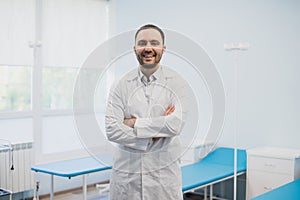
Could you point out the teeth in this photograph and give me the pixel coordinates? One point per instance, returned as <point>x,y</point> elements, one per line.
<point>147,54</point>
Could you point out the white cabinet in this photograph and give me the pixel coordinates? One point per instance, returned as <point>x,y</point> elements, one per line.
<point>269,168</point>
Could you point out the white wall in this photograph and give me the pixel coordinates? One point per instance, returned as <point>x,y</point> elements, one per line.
<point>268,94</point>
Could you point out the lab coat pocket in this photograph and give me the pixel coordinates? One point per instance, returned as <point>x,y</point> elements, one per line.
<point>164,181</point>
<point>118,185</point>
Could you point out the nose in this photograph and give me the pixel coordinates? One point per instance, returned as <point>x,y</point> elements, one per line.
<point>148,49</point>
<point>148,46</point>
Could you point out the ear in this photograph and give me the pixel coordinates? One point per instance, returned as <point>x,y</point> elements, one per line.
<point>164,48</point>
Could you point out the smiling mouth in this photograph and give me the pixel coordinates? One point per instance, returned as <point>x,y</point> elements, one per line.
<point>148,57</point>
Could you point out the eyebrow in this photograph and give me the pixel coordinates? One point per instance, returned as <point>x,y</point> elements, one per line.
<point>151,41</point>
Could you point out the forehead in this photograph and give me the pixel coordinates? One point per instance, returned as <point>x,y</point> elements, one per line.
<point>149,34</point>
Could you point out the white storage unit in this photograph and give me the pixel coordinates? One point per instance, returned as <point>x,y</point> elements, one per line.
<point>269,168</point>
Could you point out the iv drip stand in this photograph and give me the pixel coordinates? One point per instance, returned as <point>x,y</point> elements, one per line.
<point>235,48</point>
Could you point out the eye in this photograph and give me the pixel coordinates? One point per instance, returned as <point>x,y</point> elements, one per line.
<point>154,42</point>
<point>142,43</point>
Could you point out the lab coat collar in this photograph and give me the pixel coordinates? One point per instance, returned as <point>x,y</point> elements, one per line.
<point>152,78</point>
<point>160,75</point>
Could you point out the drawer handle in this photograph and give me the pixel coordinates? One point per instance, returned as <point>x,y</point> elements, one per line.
<point>268,188</point>
<point>270,165</point>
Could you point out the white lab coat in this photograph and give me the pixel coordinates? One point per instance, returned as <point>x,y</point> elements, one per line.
<point>147,169</point>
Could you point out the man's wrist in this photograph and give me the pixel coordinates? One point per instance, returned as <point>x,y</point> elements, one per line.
<point>133,121</point>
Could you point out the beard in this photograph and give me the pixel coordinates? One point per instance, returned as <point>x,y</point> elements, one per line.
<point>149,66</point>
<point>157,58</point>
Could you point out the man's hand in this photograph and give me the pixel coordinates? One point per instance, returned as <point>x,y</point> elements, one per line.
<point>130,122</point>
<point>169,110</point>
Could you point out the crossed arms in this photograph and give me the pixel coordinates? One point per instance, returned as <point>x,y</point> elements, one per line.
<point>137,133</point>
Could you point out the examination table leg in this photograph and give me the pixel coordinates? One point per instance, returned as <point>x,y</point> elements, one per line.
<point>52,188</point>
<point>84,187</point>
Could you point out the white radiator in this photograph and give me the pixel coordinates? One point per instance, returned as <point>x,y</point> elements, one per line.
<point>15,163</point>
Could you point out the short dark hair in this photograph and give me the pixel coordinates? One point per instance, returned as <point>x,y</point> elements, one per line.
<point>151,26</point>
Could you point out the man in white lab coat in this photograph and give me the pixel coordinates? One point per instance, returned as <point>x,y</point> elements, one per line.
<point>146,112</point>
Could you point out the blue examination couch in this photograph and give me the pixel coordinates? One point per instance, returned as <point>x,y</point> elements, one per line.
<point>216,167</point>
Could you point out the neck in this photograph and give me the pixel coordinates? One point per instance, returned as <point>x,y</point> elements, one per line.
<point>148,72</point>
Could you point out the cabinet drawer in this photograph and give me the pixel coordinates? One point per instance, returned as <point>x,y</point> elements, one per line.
<point>270,164</point>
<point>259,182</point>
